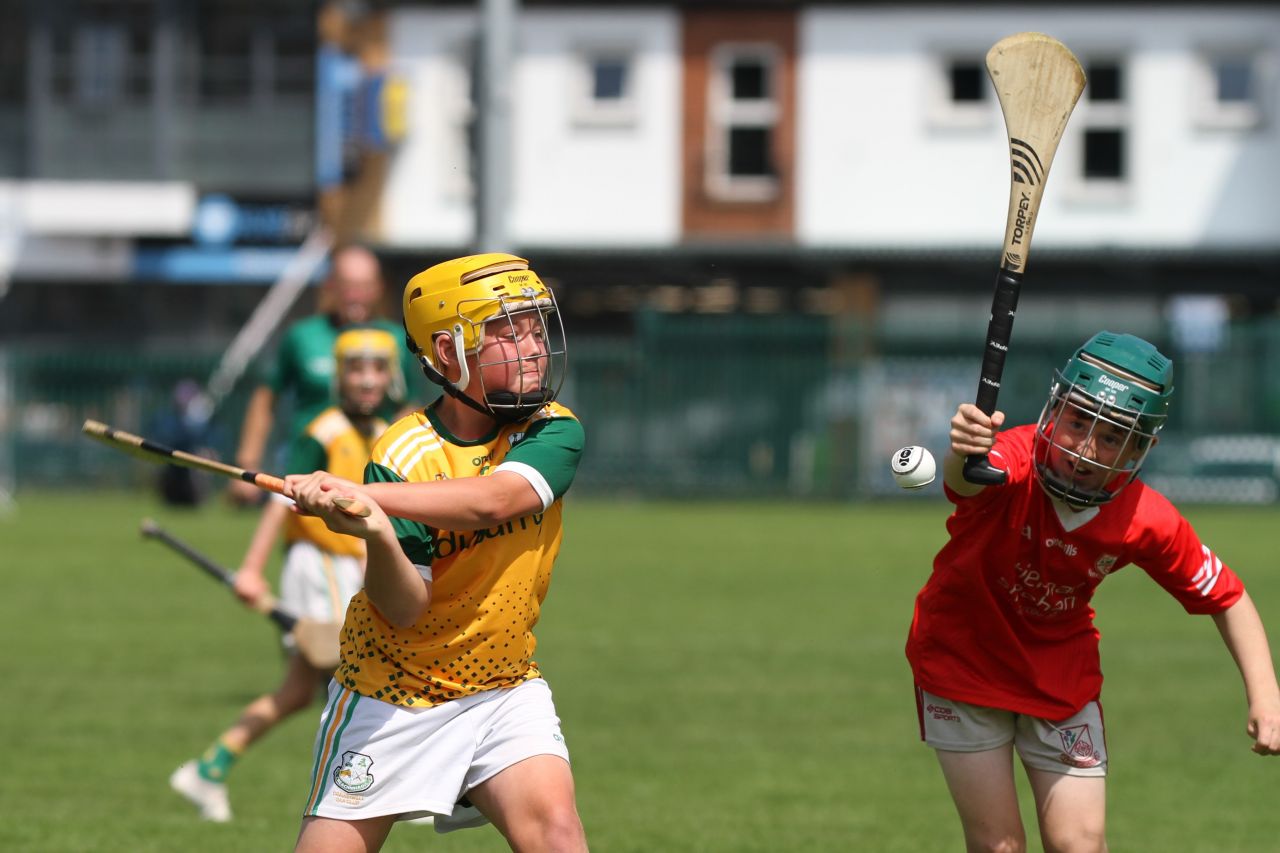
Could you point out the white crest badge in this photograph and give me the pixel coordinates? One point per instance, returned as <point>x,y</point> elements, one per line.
<point>354,776</point>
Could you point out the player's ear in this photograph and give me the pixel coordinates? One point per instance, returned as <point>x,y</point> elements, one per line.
<point>446,356</point>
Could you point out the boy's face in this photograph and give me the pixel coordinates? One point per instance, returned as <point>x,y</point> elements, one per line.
<point>1087,450</point>
<point>363,383</point>
<point>513,354</point>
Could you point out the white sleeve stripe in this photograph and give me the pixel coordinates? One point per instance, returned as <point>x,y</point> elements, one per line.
<point>535,478</point>
<point>1210,571</point>
<point>425,571</point>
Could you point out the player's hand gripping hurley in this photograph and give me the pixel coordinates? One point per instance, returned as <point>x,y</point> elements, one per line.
<point>1038,82</point>
<point>155,452</point>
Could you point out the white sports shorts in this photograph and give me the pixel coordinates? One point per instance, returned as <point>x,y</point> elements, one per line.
<point>317,585</point>
<point>1076,746</point>
<point>373,758</point>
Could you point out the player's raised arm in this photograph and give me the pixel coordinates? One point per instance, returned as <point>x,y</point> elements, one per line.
<point>1246,639</point>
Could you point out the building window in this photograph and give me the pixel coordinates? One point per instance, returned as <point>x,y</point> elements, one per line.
<point>968,82</point>
<point>1229,91</point>
<point>961,93</point>
<point>605,87</point>
<point>100,63</point>
<point>1105,126</point>
<point>245,54</point>
<point>1103,154</point>
<point>743,116</point>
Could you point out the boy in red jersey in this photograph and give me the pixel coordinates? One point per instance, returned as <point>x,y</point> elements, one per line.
<point>1002,644</point>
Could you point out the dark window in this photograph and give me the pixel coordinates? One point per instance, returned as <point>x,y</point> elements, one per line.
<point>1235,80</point>
<point>249,51</point>
<point>1104,82</point>
<point>968,83</point>
<point>749,79</point>
<point>13,57</point>
<point>608,79</point>
<point>749,154</point>
<point>1104,154</point>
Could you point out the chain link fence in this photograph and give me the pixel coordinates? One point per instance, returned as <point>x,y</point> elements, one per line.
<point>727,406</point>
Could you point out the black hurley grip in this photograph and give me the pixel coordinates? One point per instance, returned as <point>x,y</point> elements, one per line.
<point>1004,307</point>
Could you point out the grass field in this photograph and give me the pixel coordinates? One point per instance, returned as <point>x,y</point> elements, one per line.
<point>730,678</point>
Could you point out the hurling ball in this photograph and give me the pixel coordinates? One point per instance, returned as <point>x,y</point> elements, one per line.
<point>913,467</point>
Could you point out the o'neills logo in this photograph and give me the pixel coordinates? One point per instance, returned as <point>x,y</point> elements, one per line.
<point>1118,387</point>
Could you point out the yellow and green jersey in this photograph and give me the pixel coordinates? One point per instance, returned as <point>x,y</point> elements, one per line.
<point>330,443</point>
<point>487,585</point>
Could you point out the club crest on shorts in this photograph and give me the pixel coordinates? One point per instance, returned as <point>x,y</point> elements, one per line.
<point>354,776</point>
<point>1077,747</point>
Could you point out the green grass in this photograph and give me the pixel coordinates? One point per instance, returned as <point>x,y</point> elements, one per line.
<point>730,678</point>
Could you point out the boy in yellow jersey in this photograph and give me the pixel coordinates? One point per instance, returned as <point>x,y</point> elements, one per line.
<point>437,707</point>
<point>322,569</point>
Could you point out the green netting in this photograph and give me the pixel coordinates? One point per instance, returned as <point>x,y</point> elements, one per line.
<point>705,405</point>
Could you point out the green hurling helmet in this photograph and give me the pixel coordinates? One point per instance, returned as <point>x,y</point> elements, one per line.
<point>1104,410</point>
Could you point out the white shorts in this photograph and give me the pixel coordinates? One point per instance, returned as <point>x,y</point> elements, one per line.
<point>373,758</point>
<point>1076,746</point>
<point>317,585</point>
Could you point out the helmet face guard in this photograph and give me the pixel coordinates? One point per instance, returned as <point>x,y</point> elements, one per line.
<point>1104,411</point>
<point>495,308</point>
<point>1071,429</point>
<point>530,342</point>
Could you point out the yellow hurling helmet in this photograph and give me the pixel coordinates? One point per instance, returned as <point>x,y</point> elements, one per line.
<point>372,344</point>
<point>457,298</point>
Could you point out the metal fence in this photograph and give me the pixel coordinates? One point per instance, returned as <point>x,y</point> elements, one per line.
<point>710,406</point>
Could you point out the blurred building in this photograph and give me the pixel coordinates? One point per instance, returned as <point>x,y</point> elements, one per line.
<point>764,156</point>
<point>147,143</point>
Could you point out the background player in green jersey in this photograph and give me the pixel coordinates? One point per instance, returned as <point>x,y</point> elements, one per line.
<point>352,295</point>
<point>322,569</point>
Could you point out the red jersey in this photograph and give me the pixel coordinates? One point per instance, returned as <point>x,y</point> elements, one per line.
<point>1005,621</point>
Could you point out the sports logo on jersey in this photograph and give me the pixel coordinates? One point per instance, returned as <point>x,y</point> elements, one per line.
<point>1077,747</point>
<point>515,438</point>
<point>354,776</point>
<point>1103,566</point>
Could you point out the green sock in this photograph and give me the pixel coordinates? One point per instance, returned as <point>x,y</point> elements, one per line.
<point>216,762</point>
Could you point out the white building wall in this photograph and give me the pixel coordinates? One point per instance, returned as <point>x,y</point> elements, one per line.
<point>880,162</point>
<point>877,169</point>
<point>576,180</point>
<point>427,200</point>
<point>585,181</point>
